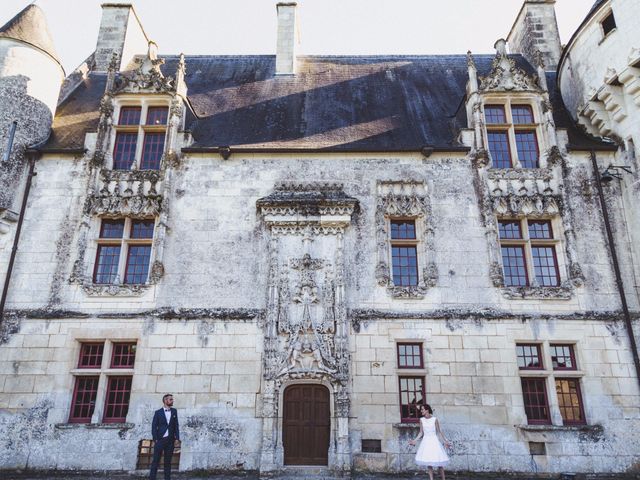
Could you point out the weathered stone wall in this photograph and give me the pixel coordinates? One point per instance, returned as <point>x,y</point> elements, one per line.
<point>212,367</point>
<point>29,85</point>
<point>472,382</point>
<point>199,335</point>
<point>223,264</point>
<point>536,30</point>
<point>120,33</point>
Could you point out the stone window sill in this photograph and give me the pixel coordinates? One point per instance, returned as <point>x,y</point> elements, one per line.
<point>416,293</point>
<point>561,428</point>
<point>95,290</point>
<point>101,426</point>
<point>537,293</point>
<point>519,173</point>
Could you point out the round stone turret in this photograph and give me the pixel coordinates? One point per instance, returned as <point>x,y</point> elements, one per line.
<point>599,72</point>
<point>30,80</point>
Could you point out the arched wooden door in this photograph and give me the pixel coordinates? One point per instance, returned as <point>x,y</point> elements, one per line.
<point>306,425</point>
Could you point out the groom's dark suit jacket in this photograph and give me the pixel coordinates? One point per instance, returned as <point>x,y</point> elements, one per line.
<point>159,425</point>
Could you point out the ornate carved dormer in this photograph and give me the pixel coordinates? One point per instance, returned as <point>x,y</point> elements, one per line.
<point>146,78</point>
<point>306,332</point>
<point>505,76</point>
<point>136,186</point>
<point>510,87</point>
<point>511,111</point>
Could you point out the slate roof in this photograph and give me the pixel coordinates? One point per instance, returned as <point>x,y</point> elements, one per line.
<point>595,6</point>
<point>30,26</point>
<point>342,104</point>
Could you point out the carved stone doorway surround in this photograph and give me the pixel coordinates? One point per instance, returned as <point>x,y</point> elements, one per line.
<point>305,326</point>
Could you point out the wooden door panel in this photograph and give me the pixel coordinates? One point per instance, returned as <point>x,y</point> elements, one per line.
<point>306,425</point>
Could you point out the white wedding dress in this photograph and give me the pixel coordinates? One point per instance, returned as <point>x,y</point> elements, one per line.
<point>430,452</point>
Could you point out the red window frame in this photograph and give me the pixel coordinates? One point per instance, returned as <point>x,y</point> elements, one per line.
<point>142,229</point>
<point>411,407</point>
<point>492,119</point>
<point>510,229</point>
<point>500,162</point>
<point>526,348</point>
<point>572,356</point>
<point>403,229</point>
<point>99,277</point>
<point>157,115</point>
<point>524,153</point>
<point>547,275</point>
<point>507,252</point>
<point>85,393</point>
<point>404,252</point>
<point>123,355</point>
<point>136,271</point>
<point>116,405</point>
<point>152,150</point>
<point>111,229</point>
<point>536,400</point>
<point>124,150</point>
<point>412,355</point>
<point>94,351</point>
<point>516,116</point>
<point>536,234</point>
<point>404,262</point>
<point>130,116</point>
<point>573,398</point>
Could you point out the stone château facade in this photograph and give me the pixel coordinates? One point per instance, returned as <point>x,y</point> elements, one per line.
<point>303,248</point>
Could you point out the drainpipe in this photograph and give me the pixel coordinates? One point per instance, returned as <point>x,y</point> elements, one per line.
<point>12,134</point>
<point>16,239</point>
<point>616,268</point>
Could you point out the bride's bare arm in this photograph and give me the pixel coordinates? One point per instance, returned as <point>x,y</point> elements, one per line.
<point>439,431</point>
<point>413,442</point>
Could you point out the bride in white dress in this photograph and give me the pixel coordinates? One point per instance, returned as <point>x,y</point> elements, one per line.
<point>430,452</point>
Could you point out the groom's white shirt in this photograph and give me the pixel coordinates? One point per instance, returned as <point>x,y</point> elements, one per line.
<point>167,415</point>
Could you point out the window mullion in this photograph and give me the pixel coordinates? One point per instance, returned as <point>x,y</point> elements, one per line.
<point>98,409</point>
<point>139,146</point>
<point>515,160</point>
<point>124,250</point>
<point>531,271</point>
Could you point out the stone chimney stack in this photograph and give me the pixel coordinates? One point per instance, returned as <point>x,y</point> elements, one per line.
<point>120,32</point>
<point>536,29</point>
<point>287,38</point>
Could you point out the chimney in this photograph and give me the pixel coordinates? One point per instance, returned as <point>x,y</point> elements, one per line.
<point>536,29</point>
<point>287,38</point>
<point>120,32</point>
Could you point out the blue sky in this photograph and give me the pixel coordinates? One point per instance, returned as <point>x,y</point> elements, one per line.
<point>339,27</point>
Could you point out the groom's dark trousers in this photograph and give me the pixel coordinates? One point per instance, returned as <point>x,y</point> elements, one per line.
<point>164,445</point>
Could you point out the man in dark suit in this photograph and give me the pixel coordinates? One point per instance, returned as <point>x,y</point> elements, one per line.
<point>166,434</point>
